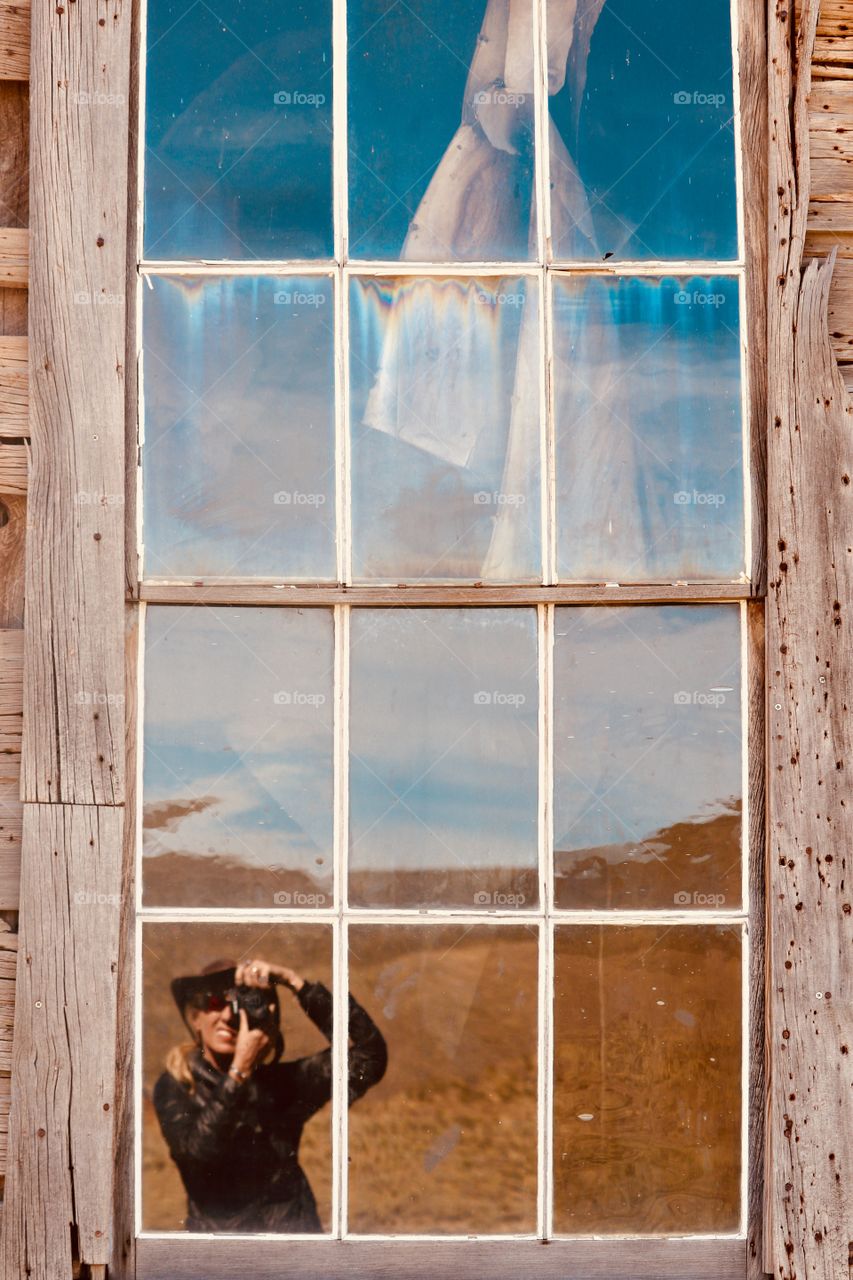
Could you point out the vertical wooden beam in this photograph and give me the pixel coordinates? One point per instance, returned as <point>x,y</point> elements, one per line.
<point>74,737</point>
<point>63,1060</point>
<point>810,676</point>
<point>67,1085</point>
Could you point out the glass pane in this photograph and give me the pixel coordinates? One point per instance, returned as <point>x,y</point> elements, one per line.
<point>446,408</point>
<point>642,137</point>
<point>238,159</point>
<point>648,757</point>
<point>216,1155</point>
<point>238,757</point>
<point>239,445</point>
<point>647,1080</point>
<point>446,1144</point>
<point>444,758</point>
<point>441,125</point>
<point>647,383</point>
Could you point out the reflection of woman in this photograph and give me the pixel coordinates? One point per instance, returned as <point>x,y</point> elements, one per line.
<point>232,1113</point>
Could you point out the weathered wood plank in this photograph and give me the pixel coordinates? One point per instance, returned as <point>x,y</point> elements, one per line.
<point>14,39</point>
<point>14,387</point>
<point>177,1259</point>
<point>73,751</point>
<point>246,593</point>
<point>14,257</point>
<point>809,1202</point>
<point>13,469</point>
<point>14,154</point>
<point>11,809</point>
<point>13,535</point>
<point>61,1137</point>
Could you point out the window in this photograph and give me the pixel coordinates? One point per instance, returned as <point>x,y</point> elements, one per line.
<point>446,558</point>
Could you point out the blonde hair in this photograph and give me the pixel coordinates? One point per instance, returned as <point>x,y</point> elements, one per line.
<point>178,1063</point>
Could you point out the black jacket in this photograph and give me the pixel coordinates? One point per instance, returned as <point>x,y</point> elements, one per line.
<point>237,1145</point>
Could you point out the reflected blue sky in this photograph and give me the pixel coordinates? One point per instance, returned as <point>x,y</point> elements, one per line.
<point>445,421</point>
<point>648,423</point>
<point>238,755</point>
<point>238,459</point>
<point>238,130</point>
<point>647,734</point>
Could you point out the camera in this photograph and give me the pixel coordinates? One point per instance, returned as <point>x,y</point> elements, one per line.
<point>259,1005</point>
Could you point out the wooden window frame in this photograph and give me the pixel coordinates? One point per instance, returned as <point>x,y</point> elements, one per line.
<point>79,769</point>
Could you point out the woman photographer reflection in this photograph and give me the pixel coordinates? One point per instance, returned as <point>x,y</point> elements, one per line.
<point>232,1112</point>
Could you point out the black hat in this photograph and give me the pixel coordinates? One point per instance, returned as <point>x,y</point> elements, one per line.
<point>214,979</point>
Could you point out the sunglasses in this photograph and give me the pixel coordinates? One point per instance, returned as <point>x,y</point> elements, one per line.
<point>216,1001</point>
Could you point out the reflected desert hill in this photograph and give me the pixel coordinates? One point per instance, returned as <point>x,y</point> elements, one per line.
<point>699,859</point>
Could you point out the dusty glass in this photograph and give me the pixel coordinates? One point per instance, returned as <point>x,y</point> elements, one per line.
<point>648,760</point>
<point>239,427</point>
<point>444,766</point>
<point>238,750</point>
<point>441,130</point>
<point>642,151</point>
<point>446,424</point>
<point>238,130</point>
<point>446,1143</point>
<point>647,1080</point>
<point>648,421</point>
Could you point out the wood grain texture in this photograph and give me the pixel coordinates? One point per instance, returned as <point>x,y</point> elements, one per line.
<point>180,1259</point>
<point>13,537</point>
<point>61,1126</point>
<point>14,388</point>
<point>14,154</point>
<point>13,469</point>
<point>246,593</point>
<point>14,39</point>
<point>14,257</point>
<point>79,137</point>
<point>11,809</point>
<point>809,1220</point>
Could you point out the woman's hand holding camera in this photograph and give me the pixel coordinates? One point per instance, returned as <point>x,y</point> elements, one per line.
<point>260,973</point>
<point>252,1043</point>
